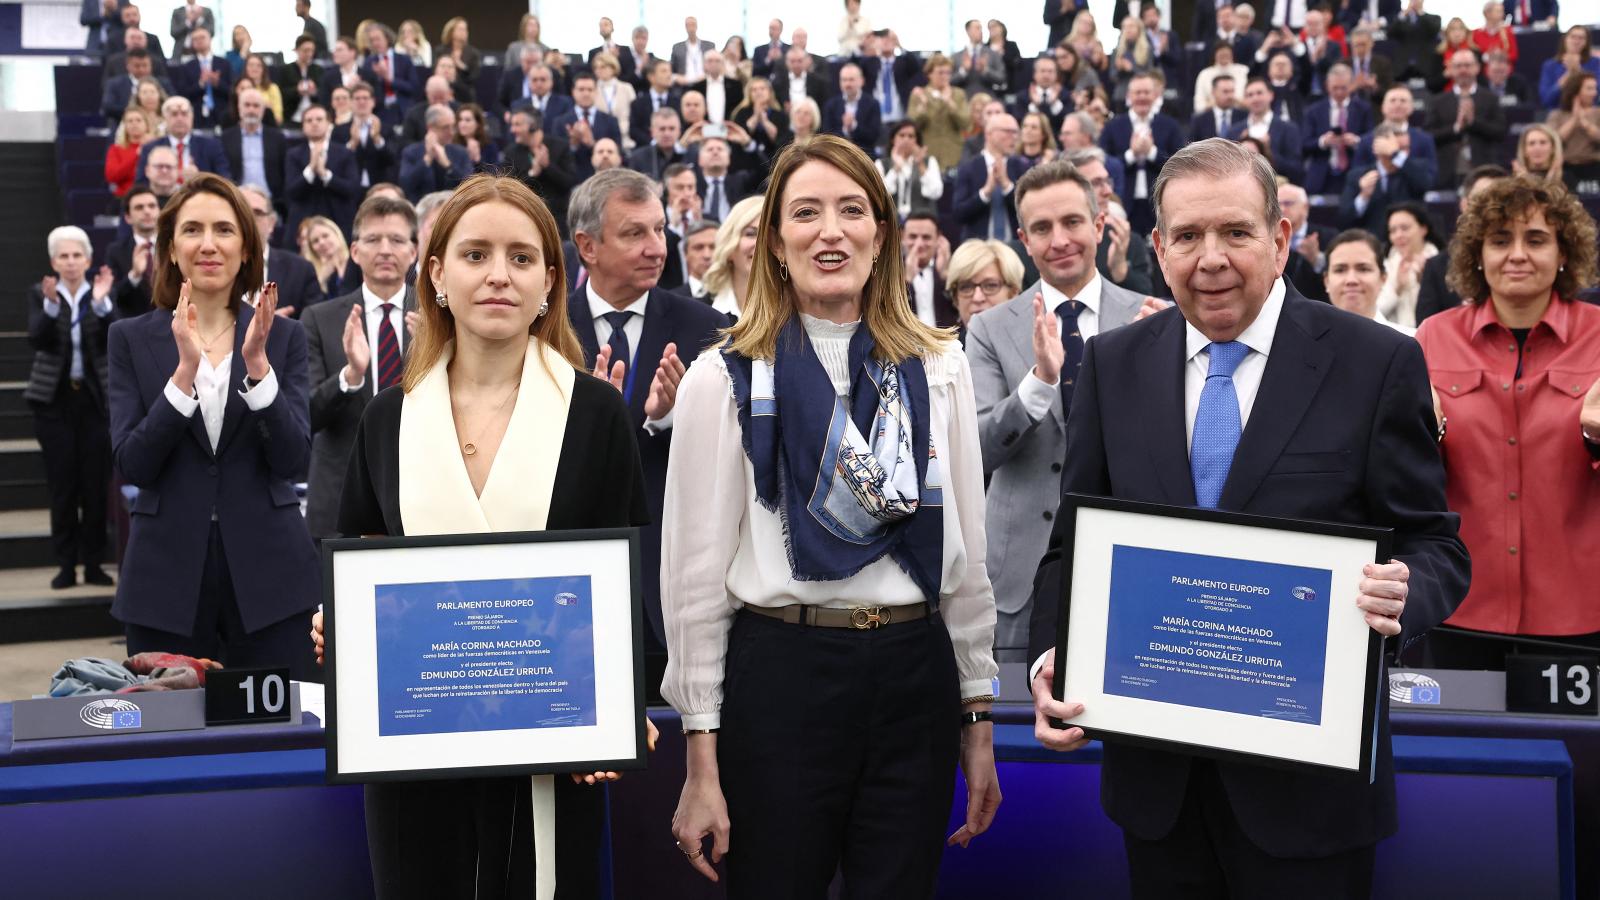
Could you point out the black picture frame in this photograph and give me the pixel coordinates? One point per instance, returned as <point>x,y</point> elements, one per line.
<point>1372,668</point>
<point>331,548</point>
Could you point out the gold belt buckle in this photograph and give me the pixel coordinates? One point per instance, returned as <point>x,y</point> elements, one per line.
<point>869,616</point>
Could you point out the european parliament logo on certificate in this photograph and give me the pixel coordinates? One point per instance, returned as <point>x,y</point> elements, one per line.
<point>1219,633</point>
<point>483,654</point>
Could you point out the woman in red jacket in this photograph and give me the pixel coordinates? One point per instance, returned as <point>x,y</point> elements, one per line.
<point>122,157</point>
<point>1517,375</point>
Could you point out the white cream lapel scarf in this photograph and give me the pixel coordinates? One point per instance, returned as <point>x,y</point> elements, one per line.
<point>436,497</point>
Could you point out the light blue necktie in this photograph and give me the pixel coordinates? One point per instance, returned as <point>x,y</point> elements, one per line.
<point>1216,424</point>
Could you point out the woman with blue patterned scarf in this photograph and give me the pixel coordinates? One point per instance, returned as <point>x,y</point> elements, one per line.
<point>829,617</point>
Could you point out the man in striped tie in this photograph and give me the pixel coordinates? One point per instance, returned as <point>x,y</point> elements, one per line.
<point>355,347</point>
<point>1248,397</point>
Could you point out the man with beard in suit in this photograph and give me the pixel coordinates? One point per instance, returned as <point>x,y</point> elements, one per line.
<point>255,153</point>
<point>637,336</point>
<point>355,347</point>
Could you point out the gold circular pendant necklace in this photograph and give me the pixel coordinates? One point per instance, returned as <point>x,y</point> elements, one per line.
<point>470,448</point>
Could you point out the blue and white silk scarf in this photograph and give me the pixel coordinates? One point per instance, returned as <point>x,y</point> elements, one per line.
<point>850,483</point>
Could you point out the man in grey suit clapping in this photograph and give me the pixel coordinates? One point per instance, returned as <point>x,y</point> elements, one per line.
<point>1024,355</point>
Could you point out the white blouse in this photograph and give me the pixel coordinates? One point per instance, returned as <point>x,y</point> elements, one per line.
<point>721,549</point>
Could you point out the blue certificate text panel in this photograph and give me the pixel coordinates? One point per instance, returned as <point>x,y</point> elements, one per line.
<point>492,655</point>
<point>1215,633</point>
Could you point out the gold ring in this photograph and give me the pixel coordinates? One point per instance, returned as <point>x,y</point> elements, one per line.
<point>696,853</point>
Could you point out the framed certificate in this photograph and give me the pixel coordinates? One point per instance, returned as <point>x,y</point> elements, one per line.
<point>475,655</point>
<point>1219,633</point>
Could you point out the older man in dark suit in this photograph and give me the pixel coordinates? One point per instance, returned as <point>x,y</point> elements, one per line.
<point>195,152</point>
<point>1466,122</point>
<point>635,334</point>
<point>1295,409</point>
<point>255,153</point>
<point>355,347</point>
<point>391,74</point>
<point>1332,129</point>
<point>434,163</point>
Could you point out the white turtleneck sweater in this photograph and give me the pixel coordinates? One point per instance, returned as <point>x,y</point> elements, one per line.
<point>832,343</point>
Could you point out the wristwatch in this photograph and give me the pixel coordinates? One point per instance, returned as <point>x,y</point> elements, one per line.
<point>973,717</point>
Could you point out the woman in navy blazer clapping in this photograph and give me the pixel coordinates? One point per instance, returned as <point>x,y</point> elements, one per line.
<point>210,420</point>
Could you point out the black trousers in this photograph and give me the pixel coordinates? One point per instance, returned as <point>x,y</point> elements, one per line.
<point>76,440</point>
<point>1206,856</point>
<point>219,631</point>
<point>473,839</point>
<point>837,753</point>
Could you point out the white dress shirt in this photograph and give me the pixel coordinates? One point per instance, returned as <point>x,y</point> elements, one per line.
<point>211,395</point>
<point>721,549</point>
<point>101,306</point>
<point>374,310</point>
<point>716,99</point>
<point>1247,377</point>
<point>899,176</point>
<point>633,329</point>
<point>922,291</point>
<point>1036,393</point>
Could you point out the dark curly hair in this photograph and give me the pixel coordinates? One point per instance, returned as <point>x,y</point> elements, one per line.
<point>1506,201</point>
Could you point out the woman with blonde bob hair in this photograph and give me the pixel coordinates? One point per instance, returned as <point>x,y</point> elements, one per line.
<point>494,427</point>
<point>801,560</point>
<point>728,280</point>
<point>982,274</point>
<point>1516,378</point>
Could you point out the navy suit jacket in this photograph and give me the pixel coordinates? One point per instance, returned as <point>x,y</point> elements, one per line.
<point>641,110</point>
<point>418,178</point>
<point>337,199</point>
<point>1284,138</point>
<point>672,318</point>
<point>403,80</point>
<point>1425,174</point>
<point>1540,10</point>
<point>206,152</point>
<point>869,122</point>
<point>248,482</point>
<point>1342,431</point>
<point>296,278</point>
<point>1204,125</point>
<point>972,211</point>
<point>604,126</point>
<point>186,78</point>
<point>1318,122</point>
